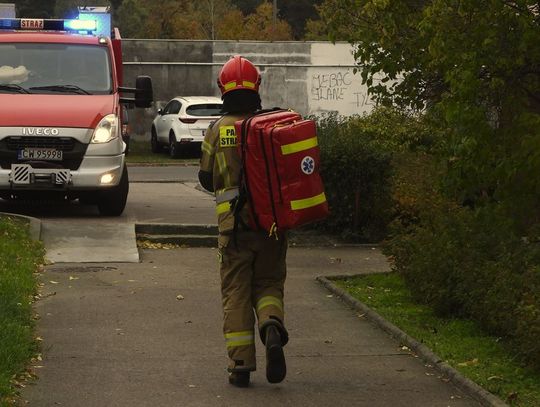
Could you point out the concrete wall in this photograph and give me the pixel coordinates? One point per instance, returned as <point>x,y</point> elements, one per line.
<point>309,77</point>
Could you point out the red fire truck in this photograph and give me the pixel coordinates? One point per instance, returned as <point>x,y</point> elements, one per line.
<point>61,110</point>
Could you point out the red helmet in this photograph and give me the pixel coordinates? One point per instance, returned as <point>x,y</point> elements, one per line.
<point>238,73</point>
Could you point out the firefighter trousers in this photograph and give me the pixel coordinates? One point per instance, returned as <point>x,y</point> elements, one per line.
<point>253,271</point>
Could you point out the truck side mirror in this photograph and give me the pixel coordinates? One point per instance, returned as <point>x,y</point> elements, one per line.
<point>144,93</point>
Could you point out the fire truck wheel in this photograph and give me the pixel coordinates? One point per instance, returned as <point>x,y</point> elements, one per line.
<point>113,201</point>
<point>154,143</point>
<point>174,147</point>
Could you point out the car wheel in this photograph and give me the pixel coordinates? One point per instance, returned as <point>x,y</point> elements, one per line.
<point>154,143</point>
<point>174,147</point>
<point>113,201</point>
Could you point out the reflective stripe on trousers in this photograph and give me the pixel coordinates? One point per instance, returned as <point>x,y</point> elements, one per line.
<point>242,338</point>
<point>269,300</point>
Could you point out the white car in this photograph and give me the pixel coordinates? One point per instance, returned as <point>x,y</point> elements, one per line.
<point>183,123</point>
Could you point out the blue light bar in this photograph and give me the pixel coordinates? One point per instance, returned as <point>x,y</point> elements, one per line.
<point>85,26</point>
<point>9,24</point>
<point>80,25</point>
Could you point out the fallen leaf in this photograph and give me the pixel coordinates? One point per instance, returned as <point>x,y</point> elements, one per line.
<point>179,297</point>
<point>73,278</point>
<point>468,363</point>
<point>54,282</point>
<point>329,296</point>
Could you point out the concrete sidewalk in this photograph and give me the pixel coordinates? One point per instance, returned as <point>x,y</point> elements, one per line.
<point>118,335</point>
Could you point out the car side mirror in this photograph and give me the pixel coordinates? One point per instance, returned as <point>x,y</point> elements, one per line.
<point>160,111</point>
<point>144,93</point>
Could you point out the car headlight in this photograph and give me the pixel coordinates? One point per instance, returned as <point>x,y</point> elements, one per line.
<point>106,130</point>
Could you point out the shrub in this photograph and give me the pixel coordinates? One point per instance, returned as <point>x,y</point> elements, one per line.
<point>356,156</point>
<point>470,262</point>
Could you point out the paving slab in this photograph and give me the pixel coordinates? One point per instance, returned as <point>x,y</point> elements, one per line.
<point>89,242</point>
<point>117,335</point>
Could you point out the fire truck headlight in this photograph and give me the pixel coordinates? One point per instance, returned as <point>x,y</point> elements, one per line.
<point>106,130</point>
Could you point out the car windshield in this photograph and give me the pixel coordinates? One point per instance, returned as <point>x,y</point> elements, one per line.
<point>54,68</point>
<point>207,109</point>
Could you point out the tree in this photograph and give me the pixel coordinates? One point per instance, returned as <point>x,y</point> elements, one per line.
<point>474,63</point>
<point>297,13</point>
<point>260,26</point>
<point>316,30</point>
<point>228,27</point>
<point>211,13</point>
<point>172,19</point>
<point>207,19</point>
<point>35,8</point>
<point>247,6</point>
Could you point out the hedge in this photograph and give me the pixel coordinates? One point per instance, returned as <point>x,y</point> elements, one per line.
<point>356,157</point>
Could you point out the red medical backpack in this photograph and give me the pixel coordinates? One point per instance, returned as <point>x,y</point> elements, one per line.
<point>281,158</point>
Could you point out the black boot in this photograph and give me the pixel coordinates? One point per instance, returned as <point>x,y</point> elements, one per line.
<point>239,379</point>
<point>276,368</point>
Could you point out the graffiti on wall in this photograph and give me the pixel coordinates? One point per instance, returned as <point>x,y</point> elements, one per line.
<point>330,86</point>
<point>338,90</point>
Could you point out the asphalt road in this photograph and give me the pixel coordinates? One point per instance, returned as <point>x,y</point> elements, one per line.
<point>180,173</point>
<point>73,232</point>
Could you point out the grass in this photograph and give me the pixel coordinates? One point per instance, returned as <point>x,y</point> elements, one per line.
<point>19,259</point>
<point>140,153</point>
<point>487,360</point>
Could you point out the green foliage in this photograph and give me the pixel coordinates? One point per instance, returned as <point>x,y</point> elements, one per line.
<point>33,8</point>
<point>462,226</point>
<point>19,259</point>
<point>209,19</point>
<point>471,263</point>
<point>356,156</point>
<point>356,176</point>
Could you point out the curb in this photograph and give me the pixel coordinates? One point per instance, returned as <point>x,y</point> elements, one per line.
<point>34,224</point>
<point>177,233</point>
<point>468,386</point>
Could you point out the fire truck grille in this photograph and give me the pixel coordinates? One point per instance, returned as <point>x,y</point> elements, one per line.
<point>19,143</point>
<point>72,151</point>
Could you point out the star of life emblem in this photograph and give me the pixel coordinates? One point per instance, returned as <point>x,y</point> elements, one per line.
<point>308,165</point>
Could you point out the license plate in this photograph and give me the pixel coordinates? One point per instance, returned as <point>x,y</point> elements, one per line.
<point>49,154</point>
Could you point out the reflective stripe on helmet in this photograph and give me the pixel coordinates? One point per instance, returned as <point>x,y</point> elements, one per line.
<point>269,300</point>
<point>248,84</point>
<point>234,84</point>
<point>238,73</point>
<point>299,146</point>
<point>241,338</point>
<point>308,202</point>
<point>230,85</point>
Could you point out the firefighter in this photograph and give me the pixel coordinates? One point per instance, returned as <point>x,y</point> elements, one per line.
<point>252,264</point>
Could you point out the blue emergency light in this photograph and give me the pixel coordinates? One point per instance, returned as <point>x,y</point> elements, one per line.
<point>86,26</point>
